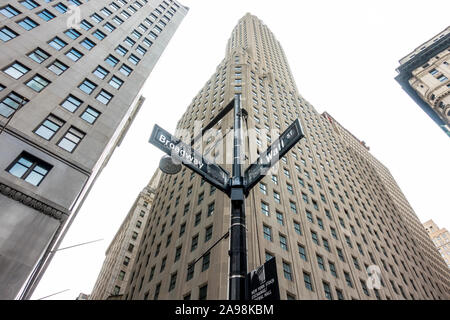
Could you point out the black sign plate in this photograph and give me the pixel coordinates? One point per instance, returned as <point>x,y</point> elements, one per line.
<point>263,282</point>
<point>256,171</point>
<point>180,151</point>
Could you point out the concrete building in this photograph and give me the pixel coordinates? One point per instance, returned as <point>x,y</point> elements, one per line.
<point>424,74</point>
<point>441,239</point>
<point>71,73</point>
<point>122,251</point>
<point>327,213</point>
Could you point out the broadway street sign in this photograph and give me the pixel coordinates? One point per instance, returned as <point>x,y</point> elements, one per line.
<point>180,151</point>
<point>256,171</point>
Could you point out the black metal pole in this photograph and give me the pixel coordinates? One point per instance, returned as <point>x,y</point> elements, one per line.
<point>238,248</point>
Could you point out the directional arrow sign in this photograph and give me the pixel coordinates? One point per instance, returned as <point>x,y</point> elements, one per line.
<point>180,151</point>
<point>256,171</point>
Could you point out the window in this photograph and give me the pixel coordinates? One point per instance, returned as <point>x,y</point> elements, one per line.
<point>71,139</point>
<point>126,70</point>
<point>74,54</point>
<point>11,103</point>
<point>57,67</point>
<point>61,7</point>
<point>173,281</point>
<point>293,207</point>
<point>113,61</point>
<point>133,59</point>
<point>194,243</point>
<point>72,33</point>
<point>265,209</point>
<point>327,291</point>
<point>101,72</point>
<point>348,279</point>
<point>302,252</point>
<point>332,269</point>
<point>126,261</point>
<point>276,196</point>
<point>283,242</point>
<point>263,188</point>
<point>121,275</point>
<point>71,103</point>
<point>99,35</point>
<point>297,228</point>
<point>109,27</point>
<point>314,238</point>
<point>28,24</point>
<point>87,43</point>
<point>121,50</point>
<point>87,86</point>
<point>39,55</point>
<point>16,70</point>
<point>86,25</point>
<point>177,254</point>
<point>29,168</point>
<point>203,292</point>
<point>205,263</point>
<point>29,4</point>
<point>104,97</point>
<point>280,218</point>
<point>57,43</point>
<point>49,127</point>
<point>182,229</point>
<point>267,232</point>
<point>320,262</point>
<point>38,83</point>
<point>7,34</point>
<point>9,11</point>
<point>190,272</point>
<point>210,209</point>
<point>208,233</point>
<point>307,280</point>
<point>116,82</point>
<point>157,289</point>
<point>287,271</point>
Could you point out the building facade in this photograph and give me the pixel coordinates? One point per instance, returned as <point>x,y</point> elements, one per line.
<point>122,251</point>
<point>424,74</point>
<point>328,212</point>
<point>70,82</point>
<point>441,239</point>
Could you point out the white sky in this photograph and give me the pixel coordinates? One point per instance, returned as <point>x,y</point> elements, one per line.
<point>343,56</point>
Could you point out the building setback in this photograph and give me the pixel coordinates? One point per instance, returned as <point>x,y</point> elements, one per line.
<point>441,239</point>
<point>424,74</point>
<point>121,253</point>
<point>70,82</point>
<point>327,213</point>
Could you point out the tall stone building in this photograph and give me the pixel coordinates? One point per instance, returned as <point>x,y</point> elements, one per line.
<point>441,239</point>
<point>424,74</point>
<point>70,82</point>
<point>327,213</point>
<point>121,253</point>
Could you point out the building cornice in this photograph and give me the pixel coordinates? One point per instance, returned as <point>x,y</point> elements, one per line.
<point>32,202</point>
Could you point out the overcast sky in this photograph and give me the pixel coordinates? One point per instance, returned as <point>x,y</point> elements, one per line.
<point>343,56</point>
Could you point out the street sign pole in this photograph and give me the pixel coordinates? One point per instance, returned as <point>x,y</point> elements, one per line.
<point>237,187</point>
<point>238,247</point>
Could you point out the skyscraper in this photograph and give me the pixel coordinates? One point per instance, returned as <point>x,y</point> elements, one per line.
<point>424,75</point>
<point>121,253</point>
<point>70,82</point>
<point>329,212</point>
<point>441,238</point>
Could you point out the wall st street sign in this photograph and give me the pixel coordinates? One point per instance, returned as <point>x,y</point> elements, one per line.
<point>256,171</point>
<point>263,282</point>
<point>180,151</point>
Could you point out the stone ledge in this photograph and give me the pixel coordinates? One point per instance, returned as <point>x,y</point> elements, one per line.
<point>32,203</point>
